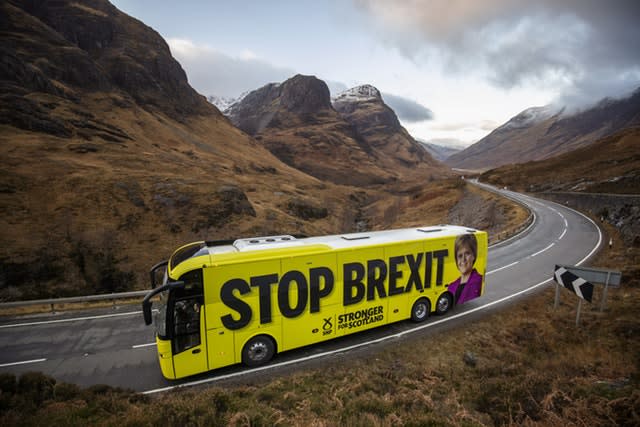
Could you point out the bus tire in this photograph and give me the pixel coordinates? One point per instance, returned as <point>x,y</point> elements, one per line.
<point>444,303</point>
<point>258,351</point>
<point>420,310</point>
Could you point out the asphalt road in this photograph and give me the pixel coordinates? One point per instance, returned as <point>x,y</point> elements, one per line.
<point>114,347</point>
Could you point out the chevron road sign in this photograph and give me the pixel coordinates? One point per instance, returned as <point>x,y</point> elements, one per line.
<point>575,284</point>
<point>581,280</point>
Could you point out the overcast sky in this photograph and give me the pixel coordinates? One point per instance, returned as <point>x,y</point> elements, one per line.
<point>453,70</point>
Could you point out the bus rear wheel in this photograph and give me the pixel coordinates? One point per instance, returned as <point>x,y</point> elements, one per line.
<point>258,351</point>
<point>420,310</point>
<point>444,303</point>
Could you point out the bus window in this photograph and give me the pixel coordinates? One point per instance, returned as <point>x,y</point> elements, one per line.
<point>186,312</point>
<point>186,324</point>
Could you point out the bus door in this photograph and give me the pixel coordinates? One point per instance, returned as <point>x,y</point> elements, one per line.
<point>188,342</point>
<point>220,340</point>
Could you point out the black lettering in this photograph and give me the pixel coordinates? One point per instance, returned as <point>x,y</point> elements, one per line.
<point>440,255</point>
<point>315,291</point>
<point>352,274</point>
<point>427,269</point>
<point>233,302</point>
<point>394,275</point>
<point>263,283</point>
<point>283,294</point>
<point>414,275</point>
<point>376,275</point>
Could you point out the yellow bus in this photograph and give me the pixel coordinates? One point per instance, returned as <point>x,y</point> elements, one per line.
<point>227,302</point>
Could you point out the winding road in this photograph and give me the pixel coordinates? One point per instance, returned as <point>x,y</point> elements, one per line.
<point>114,347</point>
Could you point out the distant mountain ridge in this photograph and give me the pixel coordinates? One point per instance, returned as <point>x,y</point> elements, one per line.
<point>543,132</point>
<point>353,139</point>
<point>440,152</point>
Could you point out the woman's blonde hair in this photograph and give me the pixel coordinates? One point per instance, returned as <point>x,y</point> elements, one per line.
<point>467,240</point>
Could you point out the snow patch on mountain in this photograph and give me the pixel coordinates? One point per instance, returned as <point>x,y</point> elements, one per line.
<point>224,103</point>
<point>530,117</point>
<point>358,94</point>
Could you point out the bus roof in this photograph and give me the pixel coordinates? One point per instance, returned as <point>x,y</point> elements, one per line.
<point>338,241</point>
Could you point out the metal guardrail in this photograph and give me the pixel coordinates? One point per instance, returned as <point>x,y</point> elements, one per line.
<point>74,300</point>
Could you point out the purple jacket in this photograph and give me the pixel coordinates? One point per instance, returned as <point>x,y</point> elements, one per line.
<point>468,291</point>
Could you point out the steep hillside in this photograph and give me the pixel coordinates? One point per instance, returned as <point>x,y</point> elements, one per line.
<point>542,132</point>
<point>358,143</point>
<point>610,165</point>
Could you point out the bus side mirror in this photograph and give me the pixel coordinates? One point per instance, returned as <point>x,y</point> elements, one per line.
<point>146,303</point>
<point>154,270</point>
<point>146,310</point>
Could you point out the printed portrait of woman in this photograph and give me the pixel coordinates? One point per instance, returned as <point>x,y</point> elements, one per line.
<point>469,285</point>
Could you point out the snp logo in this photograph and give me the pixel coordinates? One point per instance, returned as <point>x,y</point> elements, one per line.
<point>327,328</point>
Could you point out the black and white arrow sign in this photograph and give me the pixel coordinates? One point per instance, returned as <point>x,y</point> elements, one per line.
<point>575,284</point>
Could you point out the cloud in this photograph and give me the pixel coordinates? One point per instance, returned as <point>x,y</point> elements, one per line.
<point>581,49</point>
<point>407,109</point>
<point>211,72</point>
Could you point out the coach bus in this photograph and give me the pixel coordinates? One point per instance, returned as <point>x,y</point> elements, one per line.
<point>225,302</point>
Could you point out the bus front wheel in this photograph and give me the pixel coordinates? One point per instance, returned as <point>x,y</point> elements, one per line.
<point>258,350</point>
<point>420,310</point>
<point>444,303</point>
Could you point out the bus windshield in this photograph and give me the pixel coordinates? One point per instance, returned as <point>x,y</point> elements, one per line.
<point>183,254</point>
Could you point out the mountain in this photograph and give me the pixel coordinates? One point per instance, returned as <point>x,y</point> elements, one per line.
<point>222,103</point>
<point>440,152</point>
<point>543,132</point>
<point>354,140</point>
<point>609,165</point>
<point>111,160</point>
<point>377,124</point>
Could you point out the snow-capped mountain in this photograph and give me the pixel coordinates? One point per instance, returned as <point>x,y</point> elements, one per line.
<point>543,132</point>
<point>358,93</point>
<point>531,116</point>
<point>225,103</point>
<point>355,140</point>
<point>221,102</point>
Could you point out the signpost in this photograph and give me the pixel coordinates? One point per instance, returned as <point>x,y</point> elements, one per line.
<point>581,280</point>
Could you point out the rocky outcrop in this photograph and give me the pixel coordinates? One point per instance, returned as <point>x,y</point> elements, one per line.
<point>300,95</point>
<point>69,48</point>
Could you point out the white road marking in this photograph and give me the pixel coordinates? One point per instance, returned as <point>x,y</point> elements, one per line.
<point>73,319</point>
<point>563,233</point>
<point>502,268</point>
<point>543,250</point>
<point>24,362</point>
<point>143,345</point>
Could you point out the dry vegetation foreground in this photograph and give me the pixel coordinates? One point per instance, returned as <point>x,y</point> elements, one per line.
<point>524,365</point>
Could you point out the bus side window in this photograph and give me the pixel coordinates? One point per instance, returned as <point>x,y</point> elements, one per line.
<point>186,324</point>
<point>186,312</point>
